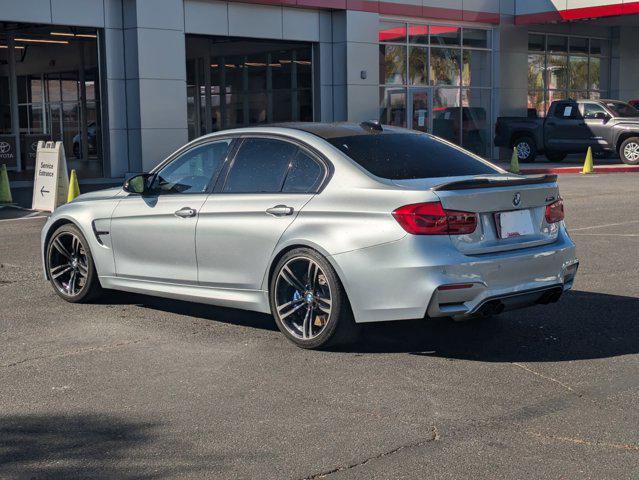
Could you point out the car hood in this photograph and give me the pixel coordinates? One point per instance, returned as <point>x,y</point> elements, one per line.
<point>105,194</point>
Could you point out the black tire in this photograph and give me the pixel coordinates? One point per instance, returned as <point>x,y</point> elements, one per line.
<point>526,148</point>
<point>76,150</point>
<point>629,151</point>
<point>86,277</point>
<point>556,156</point>
<point>335,328</point>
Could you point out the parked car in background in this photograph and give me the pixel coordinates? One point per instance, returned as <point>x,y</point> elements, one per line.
<point>608,126</point>
<point>322,225</point>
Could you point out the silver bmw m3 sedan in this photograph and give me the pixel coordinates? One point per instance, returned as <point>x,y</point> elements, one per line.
<point>323,225</point>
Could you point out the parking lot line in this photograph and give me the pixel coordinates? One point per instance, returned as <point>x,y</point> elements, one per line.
<point>571,230</point>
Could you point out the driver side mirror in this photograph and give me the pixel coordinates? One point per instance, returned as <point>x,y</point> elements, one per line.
<point>139,184</point>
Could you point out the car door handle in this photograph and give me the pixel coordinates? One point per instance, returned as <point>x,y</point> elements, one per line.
<point>185,212</point>
<point>280,210</point>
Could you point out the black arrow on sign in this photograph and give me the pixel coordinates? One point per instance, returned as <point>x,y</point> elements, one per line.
<point>43,191</point>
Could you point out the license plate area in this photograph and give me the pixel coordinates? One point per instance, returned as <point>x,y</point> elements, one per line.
<point>517,223</point>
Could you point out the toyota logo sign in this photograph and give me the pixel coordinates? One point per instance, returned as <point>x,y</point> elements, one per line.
<point>5,147</point>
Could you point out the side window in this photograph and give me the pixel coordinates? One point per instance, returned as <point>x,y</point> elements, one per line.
<point>592,109</point>
<point>260,166</point>
<point>305,174</point>
<point>192,171</point>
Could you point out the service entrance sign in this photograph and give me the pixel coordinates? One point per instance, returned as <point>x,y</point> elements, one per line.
<point>51,182</point>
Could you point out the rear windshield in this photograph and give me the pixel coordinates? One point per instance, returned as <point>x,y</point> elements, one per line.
<point>403,156</point>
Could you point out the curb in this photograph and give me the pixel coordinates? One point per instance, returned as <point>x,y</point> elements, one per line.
<point>574,170</point>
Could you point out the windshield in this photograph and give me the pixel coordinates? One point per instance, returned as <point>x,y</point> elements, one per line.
<point>621,109</point>
<point>404,156</point>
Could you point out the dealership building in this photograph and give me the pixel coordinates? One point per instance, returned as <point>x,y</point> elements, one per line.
<point>122,83</point>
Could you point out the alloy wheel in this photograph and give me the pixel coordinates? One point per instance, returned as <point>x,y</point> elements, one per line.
<point>303,298</point>
<point>631,151</point>
<point>68,264</point>
<point>523,150</point>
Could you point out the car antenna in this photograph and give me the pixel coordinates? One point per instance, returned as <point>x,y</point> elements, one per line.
<point>372,125</point>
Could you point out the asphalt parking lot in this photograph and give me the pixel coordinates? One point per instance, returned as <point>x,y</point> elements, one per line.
<point>144,388</point>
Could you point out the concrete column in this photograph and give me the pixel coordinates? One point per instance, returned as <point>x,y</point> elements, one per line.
<point>355,66</point>
<point>116,98</point>
<point>155,72</point>
<point>510,71</point>
<point>624,70</point>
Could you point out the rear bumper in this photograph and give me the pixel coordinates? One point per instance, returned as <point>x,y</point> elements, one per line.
<point>402,280</point>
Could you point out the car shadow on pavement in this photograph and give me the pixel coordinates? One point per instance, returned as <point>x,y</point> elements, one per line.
<point>198,310</point>
<point>82,446</point>
<point>582,325</point>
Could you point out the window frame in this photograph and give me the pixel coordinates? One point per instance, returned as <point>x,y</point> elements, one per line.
<point>188,148</point>
<point>324,163</point>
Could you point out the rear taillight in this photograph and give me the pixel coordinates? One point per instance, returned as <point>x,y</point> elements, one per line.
<point>431,219</point>
<point>555,211</point>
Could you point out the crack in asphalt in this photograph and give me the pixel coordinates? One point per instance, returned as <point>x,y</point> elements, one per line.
<point>79,351</point>
<point>546,377</point>
<point>434,437</point>
<point>588,443</point>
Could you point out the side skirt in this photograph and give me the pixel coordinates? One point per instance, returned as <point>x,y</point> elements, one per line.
<point>253,300</point>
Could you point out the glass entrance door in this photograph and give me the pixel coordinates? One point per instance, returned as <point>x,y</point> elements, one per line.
<point>420,104</point>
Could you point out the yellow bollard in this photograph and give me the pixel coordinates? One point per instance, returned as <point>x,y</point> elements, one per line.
<point>5,190</point>
<point>74,188</point>
<point>588,164</point>
<point>514,162</point>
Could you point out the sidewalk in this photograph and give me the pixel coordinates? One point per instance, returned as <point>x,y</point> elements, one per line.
<point>13,212</point>
<point>571,165</point>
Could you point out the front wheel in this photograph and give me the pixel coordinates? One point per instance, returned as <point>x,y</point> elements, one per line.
<point>526,149</point>
<point>70,266</point>
<point>629,151</point>
<point>308,301</point>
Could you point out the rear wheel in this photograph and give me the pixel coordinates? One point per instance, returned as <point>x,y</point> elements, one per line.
<point>308,301</point>
<point>526,149</point>
<point>556,156</point>
<point>629,151</point>
<point>70,266</point>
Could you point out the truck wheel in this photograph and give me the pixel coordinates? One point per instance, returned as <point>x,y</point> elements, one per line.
<point>556,156</point>
<point>629,151</point>
<point>526,149</point>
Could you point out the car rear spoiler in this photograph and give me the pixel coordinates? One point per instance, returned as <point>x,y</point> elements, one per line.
<point>494,182</point>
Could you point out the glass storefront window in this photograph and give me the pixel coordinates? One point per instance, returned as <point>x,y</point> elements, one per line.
<point>556,76</point>
<point>426,77</point>
<point>271,82</point>
<point>446,114</point>
<point>445,66</point>
<point>476,68</point>
<point>394,32</point>
<point>445,35</point>
<point>536,69</point>
<point>418,34</point>
<point>57,96</point>
<point>477,38</point>
<point>393,106</point>
<point>578,73</point>
<point>418,65</point>
<point>392,64</point>
<point>476,134</point>
<point>557,72</point>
